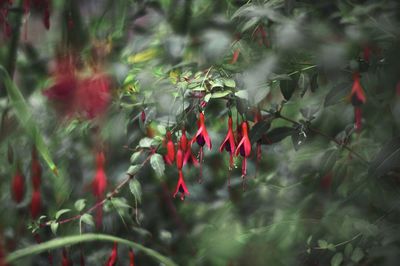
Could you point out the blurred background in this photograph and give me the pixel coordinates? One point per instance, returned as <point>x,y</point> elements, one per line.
<point>317,82</point>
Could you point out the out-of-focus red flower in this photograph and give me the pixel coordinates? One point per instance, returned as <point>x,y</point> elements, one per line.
<point>65,261</point>
<point>4,6</point>
<point>36,170</point>
<point>131,258</point>
<point>235,56</point>
<point>358,98</point>
<point>112,260</point>
<point>36,204</point>
<point>43,6</point>
<point>18,186</point>
<point>99,183</point>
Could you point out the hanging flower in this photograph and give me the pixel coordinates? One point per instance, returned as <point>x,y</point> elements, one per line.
<point>65,261</point>
<point>99,185</point>
<point>36,170</point>
<point>186,148</point>
<point>181,186</point>
<point>4,7</point>
<point>170,156</point>
<point>235,56</point>
<point>229,142</point>
<point>358,98</point>
<point>18,186</point>
<point>244,147</point>
<point>131,258</point>
<point>36,204</point>
<point>201,138</point>
<point>112,260</point>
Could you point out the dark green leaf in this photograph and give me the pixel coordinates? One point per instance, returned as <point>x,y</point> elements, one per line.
<point>357,255</point>
<point>277,134</point>
<point>287,86</point>
<point>314,82</point>
<point>258,130</point>
<point>337,259</point>
<point>61,212</point>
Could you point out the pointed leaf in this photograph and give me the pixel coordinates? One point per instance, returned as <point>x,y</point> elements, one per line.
<point>387,159</point>
<point>258,130</point>
<point>157,163</point>
<point>136,190</point>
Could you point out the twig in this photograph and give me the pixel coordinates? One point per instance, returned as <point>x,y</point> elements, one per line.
<point>109,195</point>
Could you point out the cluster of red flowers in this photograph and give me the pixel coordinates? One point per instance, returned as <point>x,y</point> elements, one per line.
<point>18,185</point>
<point>71,94</point>
<point>234,143</point>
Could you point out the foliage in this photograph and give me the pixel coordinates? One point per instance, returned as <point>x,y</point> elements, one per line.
<point>119,98</point>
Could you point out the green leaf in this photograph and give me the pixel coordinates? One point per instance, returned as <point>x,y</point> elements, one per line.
<point>61,212</point>
<point>258,130</point>
<point>230,83</point>
<point>309,239</point>
<point>277,134</point>
<point>157,163</point>
<point>54,226</point>
<point>146,142</point>
<point>243,94</point>
<point>133,169</point>
<point>80,204</point>
<point>348,250</point>
<point>120,203</point>
<point>87,219</point>
<point>77,239</point>
<point>357,255</point>
<point>207,97</point>
<point>220,94</point>
<point>136,190</point>
<point>387,159</point>
<point>135,156</point>
<point>25,118</point>
<point>287,86</point>
<point>323,244</point>
<point>337,259</point>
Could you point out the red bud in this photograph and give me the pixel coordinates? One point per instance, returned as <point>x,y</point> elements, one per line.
<point>18,187</point>
<point>36,204</point>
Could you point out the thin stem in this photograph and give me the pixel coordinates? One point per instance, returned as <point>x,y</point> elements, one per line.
<point>109,196</point>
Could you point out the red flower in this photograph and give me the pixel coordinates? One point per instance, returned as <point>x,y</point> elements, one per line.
<point>36,204</point>
<point>112,260</point>
<point>4,7</point>
<point>229,142</point>
<point>99,183</point>
<point>235,56</point>
<point>181,187</point>
<point>358,98</point>
<point>36,170</point>
<point>201,136</point>
<point>65,261</point>
<point>170,156</point>
<point>244,147</point>
<point>18,186</point>
<point>131,258</point>
<point>186,147</point>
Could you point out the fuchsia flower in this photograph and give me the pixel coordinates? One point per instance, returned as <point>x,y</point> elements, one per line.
<point>36,204</point>
<point>181,186</point>
<point>18,186</point>
<point>112,260</point>
<point>99,185</point>
<point>131,258</point>
<point>229,143</point>
<point>4,7</point>
<point>358,98</point>
<point>244,147</point>
<point>170,156</point>
<point>186,147</point>
<point>201,138</point>
<point>65,261</point>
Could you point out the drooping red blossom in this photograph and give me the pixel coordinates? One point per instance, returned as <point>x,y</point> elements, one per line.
<point>36,170</point>
<point>186,148</point>
<point>229,143</point>
<point>131,258</point>
<point>179,159</point>
<point>244,147</point>
<point>235,56</point>
<point>181,187</point>
<point>36,204</point>
<point>65,261</point>
<point>169,144</point>
<point>201,136</point>
<point>261,36</point>
<point>326,181</point>
<point>358,98</point>
<point>18,186</point>
<point>43,6</point>
<point>99,183</point>
<point>143,116</point>
<point>112,260</point>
